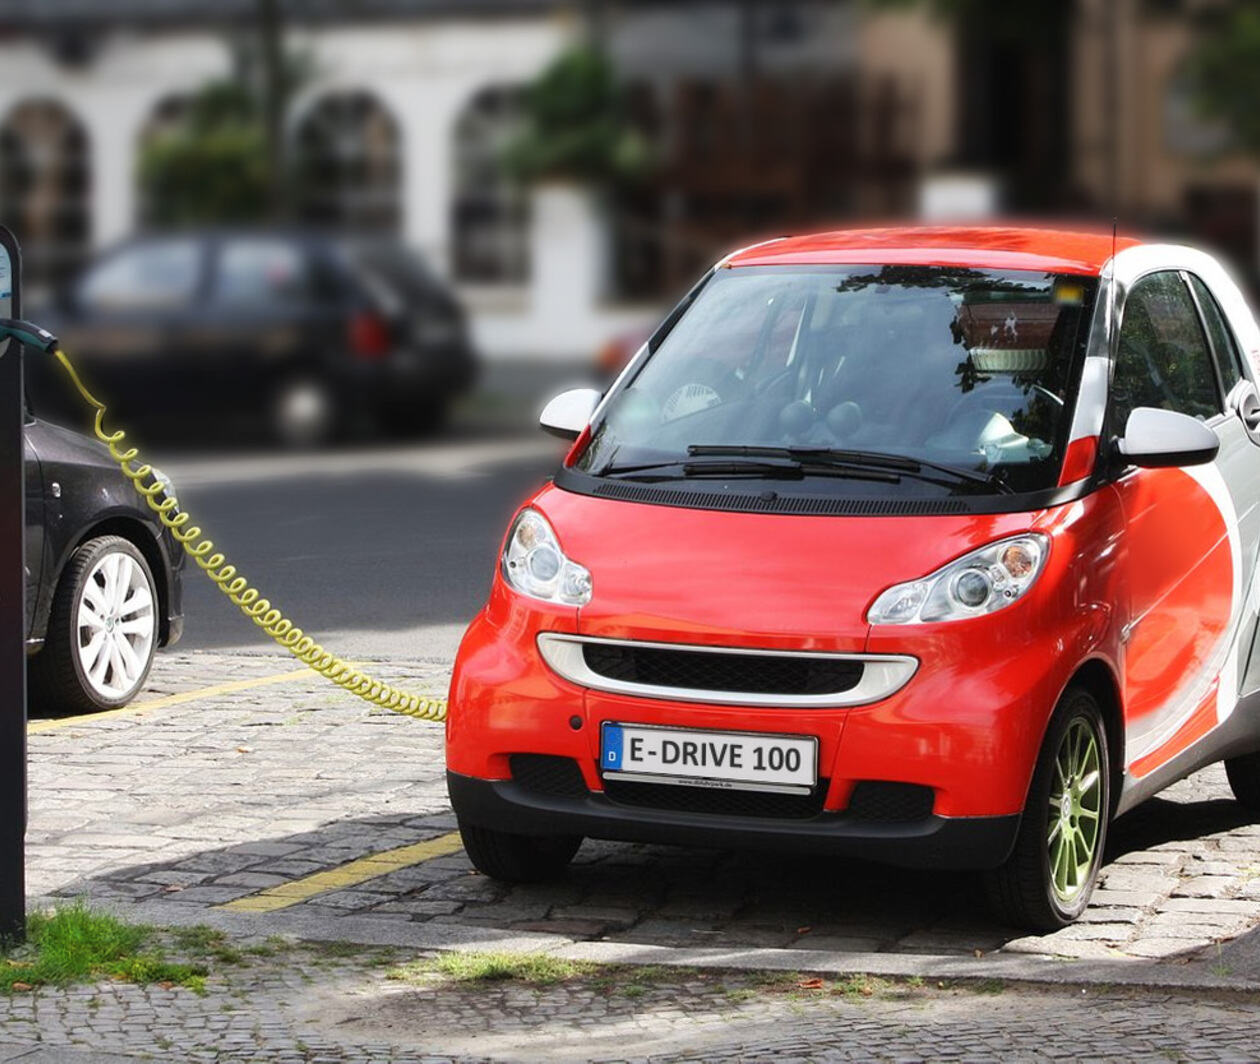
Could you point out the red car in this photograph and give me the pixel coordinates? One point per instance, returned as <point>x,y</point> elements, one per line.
<point>930,546</point>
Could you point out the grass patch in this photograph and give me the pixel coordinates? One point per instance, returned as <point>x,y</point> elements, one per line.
<point>538,969</point>
<point>202,941</point>
<point>861,986</point>
<point>76,945</point>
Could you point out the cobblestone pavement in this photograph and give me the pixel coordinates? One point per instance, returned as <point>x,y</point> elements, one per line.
<point>170,812</point>
<point>198,804</point>
<point>323,1007</point>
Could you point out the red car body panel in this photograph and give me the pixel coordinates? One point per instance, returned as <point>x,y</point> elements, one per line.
<point>961,725</point>
<point>987,247</point>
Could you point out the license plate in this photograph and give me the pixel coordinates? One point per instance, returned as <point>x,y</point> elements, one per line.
<point>746,761</point>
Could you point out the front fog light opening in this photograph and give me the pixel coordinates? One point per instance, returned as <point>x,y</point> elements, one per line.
<point>534,564</point>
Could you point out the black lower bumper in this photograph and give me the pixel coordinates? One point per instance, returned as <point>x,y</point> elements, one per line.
<point>930,842</point>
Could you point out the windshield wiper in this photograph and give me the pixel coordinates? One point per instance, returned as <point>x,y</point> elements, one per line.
<point>789,468</point>
<point>829,456</point>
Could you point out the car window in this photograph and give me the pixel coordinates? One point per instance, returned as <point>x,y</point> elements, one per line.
<point>1224,346</point>
<point>149,276</point>
<point>1163,358</point>
<point>254,272</point>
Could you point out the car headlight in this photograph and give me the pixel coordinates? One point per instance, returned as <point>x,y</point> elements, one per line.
<point>981,582</point>
<point>534,564</point>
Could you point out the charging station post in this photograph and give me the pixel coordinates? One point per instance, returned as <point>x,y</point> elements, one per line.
<point>12,609</point>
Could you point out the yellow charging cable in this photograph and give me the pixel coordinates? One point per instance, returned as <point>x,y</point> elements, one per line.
<point>237,588</point>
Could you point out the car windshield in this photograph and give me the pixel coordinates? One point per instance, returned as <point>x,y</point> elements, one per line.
<point>974,370</point>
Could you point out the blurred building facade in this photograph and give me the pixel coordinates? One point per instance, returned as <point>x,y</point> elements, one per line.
<point>765,118</point>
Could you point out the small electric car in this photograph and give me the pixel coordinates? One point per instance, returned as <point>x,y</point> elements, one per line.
<point>930,546</point>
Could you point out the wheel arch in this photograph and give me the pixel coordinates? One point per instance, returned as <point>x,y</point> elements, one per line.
<point>140,536</point>
<point>1097,677</point>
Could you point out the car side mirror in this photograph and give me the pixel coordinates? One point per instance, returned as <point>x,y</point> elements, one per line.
<point>569,412</point>
<point>1156,439</point>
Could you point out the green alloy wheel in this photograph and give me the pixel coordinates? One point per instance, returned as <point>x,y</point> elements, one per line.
<point>1075,811</point>
<point>1047,881</point>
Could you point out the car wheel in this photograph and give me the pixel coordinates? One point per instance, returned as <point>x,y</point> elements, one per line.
<point>102,630</point>
<point>1244,780</point>
<point>1047,881</point>
<point>304,412</point>
<point>518,858</point>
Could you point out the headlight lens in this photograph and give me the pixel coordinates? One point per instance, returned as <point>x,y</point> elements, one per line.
<point>534,564</point>
<point>977,583</point>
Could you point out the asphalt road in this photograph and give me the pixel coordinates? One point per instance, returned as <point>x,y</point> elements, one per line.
<point>381,552</point>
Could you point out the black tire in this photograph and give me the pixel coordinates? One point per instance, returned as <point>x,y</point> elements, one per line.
<point>518,858</point>
<point>1244,780</point>
<point>58,680</point>
<point>1020,891</point>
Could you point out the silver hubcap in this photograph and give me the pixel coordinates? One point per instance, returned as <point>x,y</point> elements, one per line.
<point>304,411</point>
<point>116,625</point>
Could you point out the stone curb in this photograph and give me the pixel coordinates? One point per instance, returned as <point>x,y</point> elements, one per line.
<point>371,931</point>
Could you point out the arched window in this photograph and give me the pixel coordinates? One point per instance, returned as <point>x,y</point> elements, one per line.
<point>167,116</point>
<point>489,213</point>
<point>347,157</point>
<point>45,183</point>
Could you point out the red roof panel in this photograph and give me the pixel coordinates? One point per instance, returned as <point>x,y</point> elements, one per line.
<point>984,247</point>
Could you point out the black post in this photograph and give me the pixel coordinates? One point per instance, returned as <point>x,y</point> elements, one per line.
<point>12,610</point>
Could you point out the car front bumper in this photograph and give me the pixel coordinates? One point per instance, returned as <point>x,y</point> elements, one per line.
<point>930,842</point>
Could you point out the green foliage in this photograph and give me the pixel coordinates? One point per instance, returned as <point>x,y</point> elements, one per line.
<point>1223,70</point>
<point>75,945</point>
<point>212,166</point>
<point>576,125</point>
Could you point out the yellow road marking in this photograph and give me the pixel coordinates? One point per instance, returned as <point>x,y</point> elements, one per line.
<point>167,700</point>
<point>373,865</point>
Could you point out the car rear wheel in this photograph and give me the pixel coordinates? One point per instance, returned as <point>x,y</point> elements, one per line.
<point>518,858</point>
<point>102,630</point>
<point>1244,780</point>
<point>1047,881</point>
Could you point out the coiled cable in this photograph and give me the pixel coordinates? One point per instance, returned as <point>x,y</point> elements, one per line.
<point>237,588</point>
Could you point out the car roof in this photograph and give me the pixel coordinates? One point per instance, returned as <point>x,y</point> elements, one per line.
<point>982,247</point>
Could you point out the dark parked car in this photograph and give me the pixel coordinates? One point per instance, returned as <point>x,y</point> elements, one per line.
<point>103,587</point>
<point>315,334</point>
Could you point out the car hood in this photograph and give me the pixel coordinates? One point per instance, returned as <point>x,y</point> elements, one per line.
<point>741,579</point>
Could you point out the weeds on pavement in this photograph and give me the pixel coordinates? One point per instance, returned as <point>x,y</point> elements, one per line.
<point>74,944</point>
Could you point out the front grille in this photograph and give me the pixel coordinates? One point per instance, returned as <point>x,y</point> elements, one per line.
<point>885,802</point>
<point>715,801</point>
<point>559,777</point>
<point>761,674</point>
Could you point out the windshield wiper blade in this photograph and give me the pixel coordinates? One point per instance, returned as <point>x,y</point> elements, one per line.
<point>878,459</point>
<point>789,468</point>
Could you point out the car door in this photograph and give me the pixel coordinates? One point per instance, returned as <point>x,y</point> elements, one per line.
<point>1239,460</point>
<point>254,319</point>
<point>1181,551</point>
